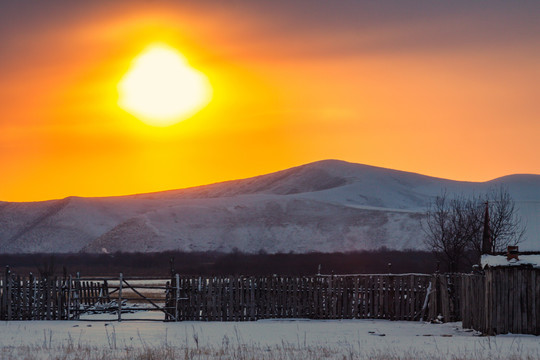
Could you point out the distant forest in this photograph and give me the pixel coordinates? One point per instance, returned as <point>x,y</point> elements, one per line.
<point>159,264</point>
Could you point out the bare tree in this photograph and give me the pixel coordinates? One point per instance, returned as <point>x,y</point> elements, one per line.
<point>454,227</point>
<point>507,228</point>
<point>505,225</point>
<point>449,230</point>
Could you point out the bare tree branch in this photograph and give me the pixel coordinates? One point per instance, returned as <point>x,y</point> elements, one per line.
<point>453,227</point>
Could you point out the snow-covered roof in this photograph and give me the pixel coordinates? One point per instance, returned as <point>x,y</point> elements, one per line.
<point>501,260</point>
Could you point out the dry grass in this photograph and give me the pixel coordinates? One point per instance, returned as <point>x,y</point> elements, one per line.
<point>226,352</point>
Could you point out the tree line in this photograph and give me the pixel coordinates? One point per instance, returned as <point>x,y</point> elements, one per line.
<point>213,263</point>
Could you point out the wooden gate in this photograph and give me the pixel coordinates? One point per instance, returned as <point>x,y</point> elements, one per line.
<point>77,298</point>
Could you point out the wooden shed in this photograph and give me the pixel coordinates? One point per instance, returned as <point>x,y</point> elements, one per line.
<point>507,298</point>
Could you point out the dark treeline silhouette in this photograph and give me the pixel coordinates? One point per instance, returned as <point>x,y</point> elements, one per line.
<point>211,263</point>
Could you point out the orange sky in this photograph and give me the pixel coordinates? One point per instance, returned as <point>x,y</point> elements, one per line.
<point>444,91</point>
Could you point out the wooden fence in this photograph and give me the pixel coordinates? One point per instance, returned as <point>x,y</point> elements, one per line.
<point>32,298</point>
<point>444,300</point>
<point>505,300</point>
<point>501,301</point>
<point>393,297</point>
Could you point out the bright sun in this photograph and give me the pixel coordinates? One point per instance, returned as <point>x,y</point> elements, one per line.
<point>161,88</point>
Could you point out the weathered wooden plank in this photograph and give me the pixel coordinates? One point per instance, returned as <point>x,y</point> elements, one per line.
<point>530,301</point>
<point>535,315</point>
<point>524,301</point>
<point>8,294</point>
<point>537,302</point>
<point>373,298</point>
<point>499,304</point>
<point>518,302</point>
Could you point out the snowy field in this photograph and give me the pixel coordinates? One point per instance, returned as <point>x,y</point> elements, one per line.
<point>267,339</point>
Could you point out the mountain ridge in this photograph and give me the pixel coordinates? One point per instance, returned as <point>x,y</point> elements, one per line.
<point>328,206</point>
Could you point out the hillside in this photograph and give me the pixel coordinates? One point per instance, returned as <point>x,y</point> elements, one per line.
<point>324,206</point>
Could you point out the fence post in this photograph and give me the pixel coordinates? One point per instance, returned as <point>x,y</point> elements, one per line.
<point>426,301</point>
<point>70,281</point>
<point>120,297</point>
<point>177,297</point>
<point>3,300</point>
<point>8,292</point>
<point>77,295</point>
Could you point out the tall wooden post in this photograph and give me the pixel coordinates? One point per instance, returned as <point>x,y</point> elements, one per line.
<point>120,297</point>
<point>70,281</point>
<point>487,241</point>
<point>8,293</point>
<point>77,296</point>
<point>177,297</point>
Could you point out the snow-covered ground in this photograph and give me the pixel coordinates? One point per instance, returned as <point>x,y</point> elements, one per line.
<point>330,339</point>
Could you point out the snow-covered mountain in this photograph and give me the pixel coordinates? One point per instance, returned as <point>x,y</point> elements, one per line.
<point>324,206</point>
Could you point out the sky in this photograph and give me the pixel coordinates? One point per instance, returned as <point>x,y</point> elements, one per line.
<point>443,88</point>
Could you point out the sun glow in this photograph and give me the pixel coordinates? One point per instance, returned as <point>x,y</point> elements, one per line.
<point>162,89</point>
